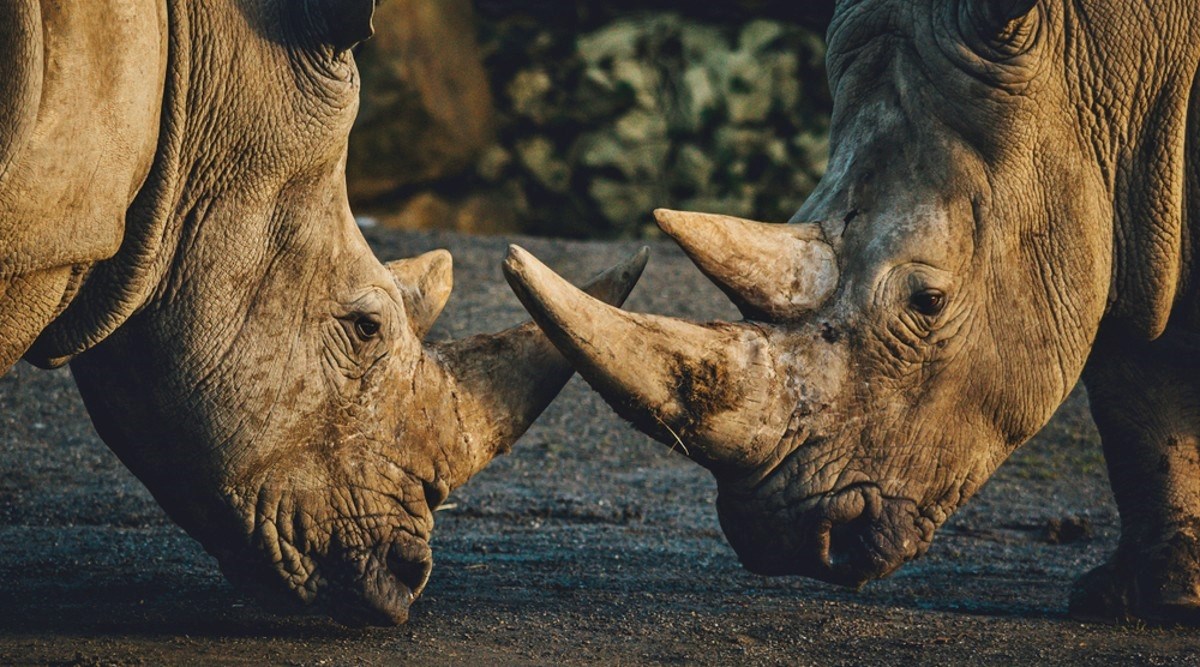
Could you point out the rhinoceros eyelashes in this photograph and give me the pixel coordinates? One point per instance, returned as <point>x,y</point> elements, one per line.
<point>999,29</point>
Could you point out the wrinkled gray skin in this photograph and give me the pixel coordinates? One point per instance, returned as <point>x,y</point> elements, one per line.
<point>1006,209</point>
<point>173,219</point>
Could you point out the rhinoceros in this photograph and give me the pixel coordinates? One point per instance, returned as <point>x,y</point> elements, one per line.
<point>174,222</point>
<point>1009,206</point>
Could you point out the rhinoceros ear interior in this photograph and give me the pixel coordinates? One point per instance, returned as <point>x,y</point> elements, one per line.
<point>425,282</point>
<point>1011,10</point>
<point>343,23</point>
<point>992,17</point>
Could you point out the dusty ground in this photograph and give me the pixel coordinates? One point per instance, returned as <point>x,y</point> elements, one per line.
<point>589,544</point>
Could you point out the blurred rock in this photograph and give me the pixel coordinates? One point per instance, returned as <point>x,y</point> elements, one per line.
<point>493,212</point>
<point>539,155</point>
<point>579,118</point>
<point>427,111</point>
<point>493,164</point>
<point>425,210</point>
<point>648,109</point>
<point>528,92</point>
<point>1068,530</point>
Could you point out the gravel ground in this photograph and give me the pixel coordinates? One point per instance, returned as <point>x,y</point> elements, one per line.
<point>588,544</point>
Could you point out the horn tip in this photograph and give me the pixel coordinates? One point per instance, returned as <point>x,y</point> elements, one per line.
<point>518,260</point>
<point>667,219</point>
<point>637,263</point>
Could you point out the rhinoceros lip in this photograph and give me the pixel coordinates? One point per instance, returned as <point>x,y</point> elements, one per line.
<point>356,587</point>
<point>848,537</point>
<point>376,587</point>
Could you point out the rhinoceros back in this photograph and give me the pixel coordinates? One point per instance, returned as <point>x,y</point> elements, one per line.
<point>80,96</point>
<point>81,86</point>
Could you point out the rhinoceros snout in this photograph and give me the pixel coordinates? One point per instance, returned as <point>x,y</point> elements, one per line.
<point>847,538</point>
<point>384,588</point>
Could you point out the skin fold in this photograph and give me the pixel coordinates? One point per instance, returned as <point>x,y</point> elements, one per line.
<point>235,340</point>
<point>1005,211</point>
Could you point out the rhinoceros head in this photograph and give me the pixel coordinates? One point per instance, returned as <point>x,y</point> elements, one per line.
<point>248,357</point>
<point>934,300</point>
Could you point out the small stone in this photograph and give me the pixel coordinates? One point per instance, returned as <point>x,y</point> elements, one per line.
<point>1068,530</point>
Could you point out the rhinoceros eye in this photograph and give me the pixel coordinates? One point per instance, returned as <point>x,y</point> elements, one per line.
<point>929,302</point>
<point>366,327</point>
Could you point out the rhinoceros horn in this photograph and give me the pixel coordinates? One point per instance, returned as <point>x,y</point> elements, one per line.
<point>718,387</point>
<point>771,272</point>
<point>488,389</point>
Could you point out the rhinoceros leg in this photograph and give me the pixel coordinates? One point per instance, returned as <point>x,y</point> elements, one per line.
<point>27,304</point>
<point>1146,402</point>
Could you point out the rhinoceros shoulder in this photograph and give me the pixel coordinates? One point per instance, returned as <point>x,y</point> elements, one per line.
<point>80,96</point>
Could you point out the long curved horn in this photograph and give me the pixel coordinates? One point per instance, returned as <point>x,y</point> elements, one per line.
<point>716,391</point>
<point>492,387</point>
<point>771,272</point>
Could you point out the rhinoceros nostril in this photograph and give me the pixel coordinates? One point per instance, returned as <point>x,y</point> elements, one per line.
<point>846,543</point>
<point>410,565</point>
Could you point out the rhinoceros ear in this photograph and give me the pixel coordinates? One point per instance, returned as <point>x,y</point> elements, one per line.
<point>995,18</point>
<point>426,282</point>
<point>343,23</point>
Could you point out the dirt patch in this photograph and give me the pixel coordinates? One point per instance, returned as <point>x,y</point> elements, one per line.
<point>588,544</point>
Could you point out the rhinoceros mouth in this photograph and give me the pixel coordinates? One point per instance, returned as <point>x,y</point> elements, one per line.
<point>848,537</point>
<point>359,569</point>
<point>369,585</point>
<point>377,588</point>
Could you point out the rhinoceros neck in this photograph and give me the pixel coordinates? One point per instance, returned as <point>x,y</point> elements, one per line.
<point>113,290</point>
<point>1187,315</point>
<point>1152,157</point>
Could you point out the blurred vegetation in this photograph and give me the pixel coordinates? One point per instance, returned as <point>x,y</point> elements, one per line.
<point>578,119</point>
